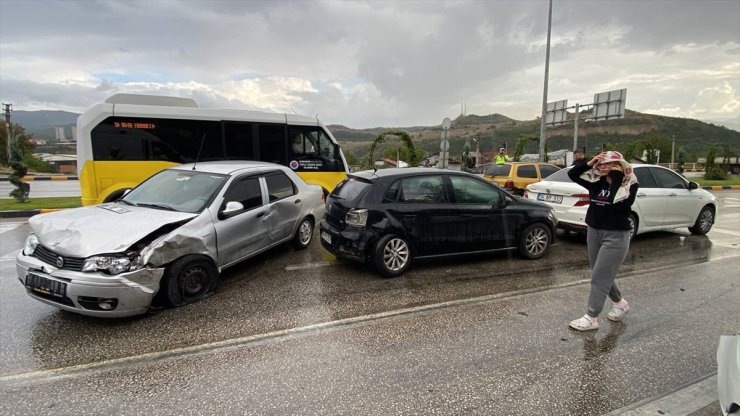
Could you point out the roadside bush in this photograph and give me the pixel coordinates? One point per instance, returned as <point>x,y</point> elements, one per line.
<point>715,172</point>
<point>38,165</point>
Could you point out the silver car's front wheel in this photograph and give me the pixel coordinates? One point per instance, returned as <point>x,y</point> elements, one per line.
<point>392,256</point>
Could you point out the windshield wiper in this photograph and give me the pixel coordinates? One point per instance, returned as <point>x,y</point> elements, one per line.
<point>157,206</point>
<point>123,201</point>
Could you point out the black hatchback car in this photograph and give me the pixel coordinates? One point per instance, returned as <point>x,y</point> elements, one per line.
<point>390,217</point>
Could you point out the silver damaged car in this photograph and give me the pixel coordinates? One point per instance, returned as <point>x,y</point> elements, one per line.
<point>166,241</point>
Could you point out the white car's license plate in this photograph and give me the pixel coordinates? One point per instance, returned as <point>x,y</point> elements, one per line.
<point>326,237</point>
<point>555,199</point>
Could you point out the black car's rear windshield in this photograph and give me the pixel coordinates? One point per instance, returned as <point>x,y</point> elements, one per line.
<point>498,170</point>
<point>559,176</point>
<point>350,189</point>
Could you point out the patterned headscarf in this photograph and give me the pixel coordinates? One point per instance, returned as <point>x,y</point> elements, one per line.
<point>594,174</point>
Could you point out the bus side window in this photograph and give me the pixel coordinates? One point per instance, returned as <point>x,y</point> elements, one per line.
<point>272,143</point>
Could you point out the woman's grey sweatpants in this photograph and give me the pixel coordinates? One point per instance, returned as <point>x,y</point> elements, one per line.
<point>606,252</point>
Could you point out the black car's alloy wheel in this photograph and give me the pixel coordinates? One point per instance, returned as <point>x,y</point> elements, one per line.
<point>392,256</point>
<point>535,241</point>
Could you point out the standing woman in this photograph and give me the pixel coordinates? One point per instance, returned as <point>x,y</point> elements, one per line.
<point>612,187</point>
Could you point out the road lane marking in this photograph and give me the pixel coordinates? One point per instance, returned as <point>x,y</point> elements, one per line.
<point>314,265</point>
<point>725,231</point>
<point>42,376</point>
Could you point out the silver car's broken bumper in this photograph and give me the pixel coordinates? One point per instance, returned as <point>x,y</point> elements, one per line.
<point>89,293</point>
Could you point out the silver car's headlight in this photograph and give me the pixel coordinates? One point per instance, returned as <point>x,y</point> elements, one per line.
<point>31,243</point>
<point>112,264</point>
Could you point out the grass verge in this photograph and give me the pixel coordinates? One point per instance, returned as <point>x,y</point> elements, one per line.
<point>731,180</point>
<point>40,203</point>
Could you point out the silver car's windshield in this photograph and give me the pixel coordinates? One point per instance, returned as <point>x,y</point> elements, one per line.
<point>176,190</point>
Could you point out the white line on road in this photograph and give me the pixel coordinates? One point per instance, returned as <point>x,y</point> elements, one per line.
<point>725,231</point>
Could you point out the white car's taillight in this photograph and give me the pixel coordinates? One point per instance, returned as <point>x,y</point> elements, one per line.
<point>583,199</point>
<point>356,217</point>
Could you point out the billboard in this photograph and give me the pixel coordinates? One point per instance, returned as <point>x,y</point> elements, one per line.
<point>556,114</point>
<point>609,105</point>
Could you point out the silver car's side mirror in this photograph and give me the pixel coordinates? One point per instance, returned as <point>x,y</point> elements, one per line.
<point>693,185</point>
<point>232,208</point>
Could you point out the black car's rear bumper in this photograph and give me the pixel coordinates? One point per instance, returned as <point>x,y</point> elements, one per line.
<point>350,243</point>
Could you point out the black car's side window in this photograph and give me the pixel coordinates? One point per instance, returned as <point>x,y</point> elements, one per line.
<point>668,179</point>
<point>279,186</point>
<point>247,191</point>
<point>472,191</point>
<point>422,189</point>
<point>392,192</point>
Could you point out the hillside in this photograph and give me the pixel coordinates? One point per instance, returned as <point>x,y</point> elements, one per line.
<point>692,136</point>
<point>41,123</point>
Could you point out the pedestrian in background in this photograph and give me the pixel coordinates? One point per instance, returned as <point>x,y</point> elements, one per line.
<point>502,157</point>
<point>612,188</point>
<point>578,157</point>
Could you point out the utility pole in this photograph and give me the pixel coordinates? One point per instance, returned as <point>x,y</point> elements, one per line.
<point>8,109</point>
<point>544,93</point>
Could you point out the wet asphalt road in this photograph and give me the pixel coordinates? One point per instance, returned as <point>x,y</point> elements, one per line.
<point>300,333</point>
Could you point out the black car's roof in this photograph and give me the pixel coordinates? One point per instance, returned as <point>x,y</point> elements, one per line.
<point>399,172</point>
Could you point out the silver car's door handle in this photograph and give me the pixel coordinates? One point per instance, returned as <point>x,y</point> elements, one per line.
<point>671,195</point>
<point>297,201</point>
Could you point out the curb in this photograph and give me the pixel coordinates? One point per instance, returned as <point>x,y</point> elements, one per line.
<point>44,178</point>
<point>721,187</point>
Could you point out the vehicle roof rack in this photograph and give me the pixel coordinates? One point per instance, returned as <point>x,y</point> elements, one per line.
<point>159,100</point>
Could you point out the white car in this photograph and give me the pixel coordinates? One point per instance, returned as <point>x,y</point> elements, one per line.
<point>665,201</point>
<point>167,240</point>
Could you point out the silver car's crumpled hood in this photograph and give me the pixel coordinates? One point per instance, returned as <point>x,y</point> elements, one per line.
<point>105,228</point>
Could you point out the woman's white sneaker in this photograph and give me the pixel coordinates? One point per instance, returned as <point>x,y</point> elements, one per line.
<point>584,323</point>
<point>617,313</point>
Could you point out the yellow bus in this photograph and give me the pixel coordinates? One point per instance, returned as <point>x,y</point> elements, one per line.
<point>129,137</point>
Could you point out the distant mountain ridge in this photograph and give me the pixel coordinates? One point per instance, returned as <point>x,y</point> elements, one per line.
<point>493,131</point>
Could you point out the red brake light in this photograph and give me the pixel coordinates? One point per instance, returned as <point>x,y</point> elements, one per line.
<point>583,199</point>
<point>509,184</point>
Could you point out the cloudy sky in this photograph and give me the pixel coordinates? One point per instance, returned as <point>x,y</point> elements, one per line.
<point>374,63</point>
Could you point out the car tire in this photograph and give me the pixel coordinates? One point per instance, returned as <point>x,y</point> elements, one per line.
<point>303,235</point>
<point>392,256</point>
<point>634,223</point>
<point>704,221</point>
<point>187,280</point>
<point>534,241</point>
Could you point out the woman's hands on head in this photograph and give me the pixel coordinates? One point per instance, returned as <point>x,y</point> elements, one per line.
<point>597,159</point>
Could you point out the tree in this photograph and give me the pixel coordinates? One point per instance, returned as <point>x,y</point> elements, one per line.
<point>412,154</point>
<point>711,169</point>
<point>20,193</point>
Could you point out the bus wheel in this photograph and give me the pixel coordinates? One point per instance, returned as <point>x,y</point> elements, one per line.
<point>115,196</point>
<point>188,279</point>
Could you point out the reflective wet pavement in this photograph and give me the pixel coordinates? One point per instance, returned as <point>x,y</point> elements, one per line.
<point>297,333</point>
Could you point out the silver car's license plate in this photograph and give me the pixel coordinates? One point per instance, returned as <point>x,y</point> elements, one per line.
<point>555,199</point>
<point>46,286</point>
<point>326,237</point>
